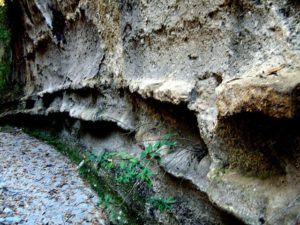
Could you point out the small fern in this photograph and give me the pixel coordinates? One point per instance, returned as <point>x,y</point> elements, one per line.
<point>129,169</point>
<point>162,204</point>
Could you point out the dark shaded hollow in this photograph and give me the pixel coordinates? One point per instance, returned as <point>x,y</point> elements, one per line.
<point>98,129</point>
<point>182,187</point>
<point>49,98</point>
<point>266,143</point>
<point>16,22</point>
<point>52,122</point>
<point>29,104</point>
<point>186,125</point>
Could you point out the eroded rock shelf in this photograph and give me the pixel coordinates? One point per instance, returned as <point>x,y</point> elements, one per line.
<point>223,75</point>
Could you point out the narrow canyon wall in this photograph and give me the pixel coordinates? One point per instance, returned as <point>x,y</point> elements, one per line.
<point>223,74</point>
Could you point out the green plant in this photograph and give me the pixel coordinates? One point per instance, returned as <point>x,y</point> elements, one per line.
<point>115,214</point>
<point>105,201</point>
<point>129,169</point>
<point>151,151</point>
<point>162,204</point>
<point>125,169</point>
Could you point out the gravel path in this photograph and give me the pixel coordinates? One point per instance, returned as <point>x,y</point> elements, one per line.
<point>38,185</point>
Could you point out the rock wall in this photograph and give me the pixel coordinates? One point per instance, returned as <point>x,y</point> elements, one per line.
<point>224,75</point>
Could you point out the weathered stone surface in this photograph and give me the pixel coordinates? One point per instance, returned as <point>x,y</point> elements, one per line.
<point>168,91</point>
<point>210,70</point>
<point>276,95</point>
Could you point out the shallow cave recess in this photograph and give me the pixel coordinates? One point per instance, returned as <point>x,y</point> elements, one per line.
<point>62,124</point>
<point>176,119</point>
<point>158,117</point>
<point>260,145</point>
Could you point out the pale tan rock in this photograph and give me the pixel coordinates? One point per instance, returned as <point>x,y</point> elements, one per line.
<point>146,67</point>
<point>166,91</point>
<point>276,95</point>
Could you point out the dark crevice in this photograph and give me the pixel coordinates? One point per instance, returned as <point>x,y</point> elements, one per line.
<point>199,152</point>
<point>49,98</point>
<point>261,145</point>
<point>7,106</point>
<point>179,112</point>
<point>58,24</point>
<point>28,14</point>
<point>178,119</point>
<point>42,46</point>
<point>99,129</point>
<point>85,92</point>
<point>52,122</point>
<point>29,104</point>
<point>16,20</point>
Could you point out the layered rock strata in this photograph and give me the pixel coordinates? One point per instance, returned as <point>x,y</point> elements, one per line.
<point>224,75</point>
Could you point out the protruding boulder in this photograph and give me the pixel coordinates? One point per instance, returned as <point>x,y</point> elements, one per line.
<point>276,95</point>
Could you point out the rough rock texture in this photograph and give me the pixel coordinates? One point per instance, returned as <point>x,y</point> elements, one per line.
<point>276,95</point>
<point>40,186</point>
<point>223,74</point>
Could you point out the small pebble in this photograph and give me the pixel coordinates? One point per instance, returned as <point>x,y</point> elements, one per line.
<point>10,220</point>
<point>8,211</point>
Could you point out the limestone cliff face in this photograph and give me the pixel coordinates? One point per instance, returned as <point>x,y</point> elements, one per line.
<point>225,75</point>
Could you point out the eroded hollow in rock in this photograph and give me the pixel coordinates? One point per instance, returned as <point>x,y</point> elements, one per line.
<point>261,145</point>
<point>97,134</point>
<point>29,103</point>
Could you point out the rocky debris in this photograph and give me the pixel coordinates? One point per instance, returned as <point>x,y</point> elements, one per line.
<point>40,186</point>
